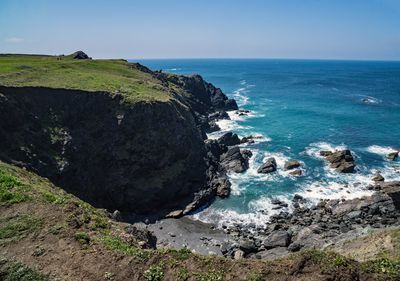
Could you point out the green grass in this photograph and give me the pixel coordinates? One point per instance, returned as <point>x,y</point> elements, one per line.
<point>118,245</point>
<point>154,273</point>
<point>13,271</point>
<point>11,189</point>
<point>16,228</point>
<point>113,76</point>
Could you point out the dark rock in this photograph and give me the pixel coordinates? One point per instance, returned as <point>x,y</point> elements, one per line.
<point>392,155</point>
<point>291,164</point>
<point>298,197</point>
<point>278,238</point>
<point>325,153</point>
<point>246,153</point>
<point>116,215</point>
<point>342,161</point>
<point>229,139</point>
<point>295,247</point>
<point>223,186</point>
<point>378,177</point>
<point>268,166</point>
<point>219,115</point>
<point>393,190</point>
<point>141,236</point>
<point>247,246</point>
<point>79,55</point>
<point>296,173</point>
<point>233,160</point>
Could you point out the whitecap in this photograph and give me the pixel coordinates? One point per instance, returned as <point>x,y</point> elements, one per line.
<point>314,148</point>
<point>381,150</point>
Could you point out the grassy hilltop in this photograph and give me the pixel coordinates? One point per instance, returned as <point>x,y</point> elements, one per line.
<point>113,76</point>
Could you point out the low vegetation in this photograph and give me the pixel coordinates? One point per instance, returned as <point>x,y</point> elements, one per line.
<point>55,236</point>
<point>113,76</point>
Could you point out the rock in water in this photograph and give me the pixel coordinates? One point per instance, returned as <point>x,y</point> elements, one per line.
<point>268,167</point>
<point>296,173</point>
<point>393,155</point>
<point>291,164</point>
<point>229,139</point>
<point>342,160</point>
<point>223,186</point>
<point>378,177</point>
<point>233,160</point>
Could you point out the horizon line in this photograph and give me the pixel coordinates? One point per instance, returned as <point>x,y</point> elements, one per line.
<point>267,58</point>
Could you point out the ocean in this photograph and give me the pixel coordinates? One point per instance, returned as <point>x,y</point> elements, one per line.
<point>299,107</point>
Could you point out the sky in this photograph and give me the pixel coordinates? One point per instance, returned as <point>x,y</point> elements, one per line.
<point>302,29</point>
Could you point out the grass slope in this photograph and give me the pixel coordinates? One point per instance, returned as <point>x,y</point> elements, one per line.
<point>113,76</point>
<point>48,234</point>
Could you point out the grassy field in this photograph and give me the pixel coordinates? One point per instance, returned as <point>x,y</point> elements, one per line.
<point>113,76</point>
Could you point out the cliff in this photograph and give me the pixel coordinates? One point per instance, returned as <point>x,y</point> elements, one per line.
<point>131,141</point>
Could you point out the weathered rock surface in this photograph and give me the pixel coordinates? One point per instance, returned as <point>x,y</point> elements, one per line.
<point>393,155</point>
<point>229,139</point>
<point>110,152</point>
<point>291,164</point>
<point>79,55</point>
<point>268,166</point>
<point>233,160</point>
<point>342,161</point>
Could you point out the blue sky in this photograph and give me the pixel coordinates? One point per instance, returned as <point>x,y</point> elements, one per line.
<point>324,29</point>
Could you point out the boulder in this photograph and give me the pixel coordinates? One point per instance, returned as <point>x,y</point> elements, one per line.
<point>229,139</point>
<point>268,166</point>
<point>246,153</point>
<point>296,173</point>
<point>223,186</point>
<point>325,153</point>
<point>392,155</point>
<point>291,164</point>
<point>342,160</point>
<point>393,190</point>
<point>79,55</point>
<point>378,177</point>
<point>239,254</point>
<point>247,246</point>
<point>233,160</point>
<point>278,238</point>
<point>219,115</point>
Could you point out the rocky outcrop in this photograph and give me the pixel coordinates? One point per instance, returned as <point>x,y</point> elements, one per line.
<point>291,164</point>
<point>79,55</point>
<point>342,161</point>
<point>146,158</point>
<point>393,190</point>
<point>268,166</point>
<point>234,160</point>
<point>392,155</point>
<point>229,139</point>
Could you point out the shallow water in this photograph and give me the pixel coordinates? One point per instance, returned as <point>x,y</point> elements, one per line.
<point>301,107</point>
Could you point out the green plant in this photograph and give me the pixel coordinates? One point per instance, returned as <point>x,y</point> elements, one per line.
<point>109,276</point>
<point>117,244</point>
<point>154,273</point>
<point>253,277</point>
<point>82,237</point>
<point>383,265</point>
<point>18,227</point>
<point>11,190</point>
<point>211,276</point>
<point>183,274</point>
<point>10,271</point>
<point>340,261</point>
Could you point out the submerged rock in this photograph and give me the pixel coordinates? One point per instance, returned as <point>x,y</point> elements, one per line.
<point>268,166</point>
<point>291,164</point>
<point>296,173</point>
<point>378,177</point>
<point>392,155</point>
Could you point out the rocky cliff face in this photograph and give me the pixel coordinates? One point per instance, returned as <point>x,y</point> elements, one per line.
<point>146,158</point>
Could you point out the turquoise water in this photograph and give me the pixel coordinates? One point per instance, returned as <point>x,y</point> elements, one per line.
<point>300,107</point>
